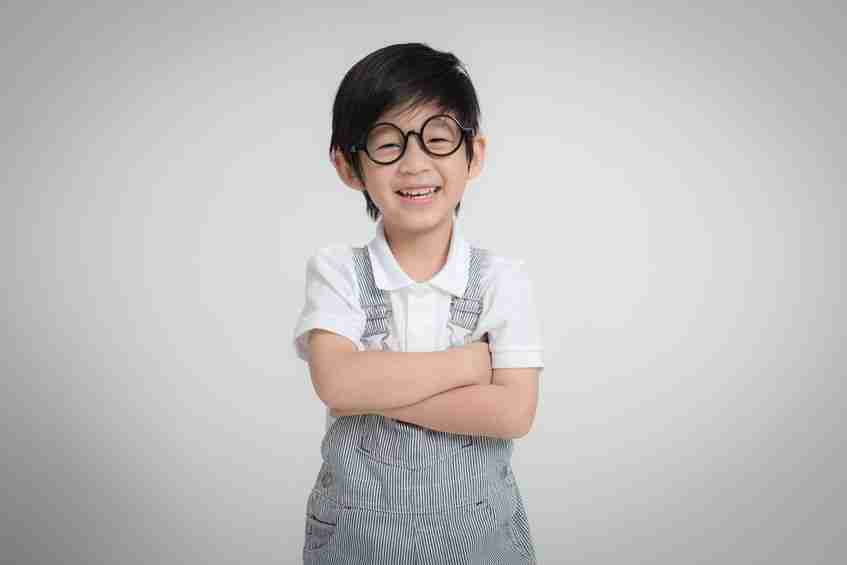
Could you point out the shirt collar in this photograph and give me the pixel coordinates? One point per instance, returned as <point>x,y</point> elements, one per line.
<point>452,278</point>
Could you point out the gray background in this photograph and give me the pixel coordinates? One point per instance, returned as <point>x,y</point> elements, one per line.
<point>674,178</point>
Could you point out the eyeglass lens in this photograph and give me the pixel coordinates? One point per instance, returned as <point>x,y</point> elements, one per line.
<point>441,136</point>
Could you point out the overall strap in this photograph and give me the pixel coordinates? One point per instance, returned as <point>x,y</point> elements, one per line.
<point>465,311</point>
<point>373,300</point>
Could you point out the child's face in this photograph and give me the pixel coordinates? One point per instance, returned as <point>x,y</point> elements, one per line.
<point>416,169</point>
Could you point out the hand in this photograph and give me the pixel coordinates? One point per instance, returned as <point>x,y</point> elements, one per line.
<point>480,360</point>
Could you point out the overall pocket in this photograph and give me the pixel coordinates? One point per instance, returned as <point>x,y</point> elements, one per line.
<point>403,444</point>
<point>518,528</point>
<point>321,522</point>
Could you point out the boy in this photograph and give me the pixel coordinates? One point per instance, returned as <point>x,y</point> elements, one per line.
<point>425,350</point>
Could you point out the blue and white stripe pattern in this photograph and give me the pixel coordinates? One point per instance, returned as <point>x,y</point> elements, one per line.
<point>374,300</point>
<point>465,310</point>
<point>394,493</point>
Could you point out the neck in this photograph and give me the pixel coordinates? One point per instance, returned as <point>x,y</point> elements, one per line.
<point>421,255</point>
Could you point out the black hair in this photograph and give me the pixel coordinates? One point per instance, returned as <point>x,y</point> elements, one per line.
<point>399,76</point>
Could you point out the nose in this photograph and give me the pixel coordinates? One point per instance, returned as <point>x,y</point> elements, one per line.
<point>415,158</point>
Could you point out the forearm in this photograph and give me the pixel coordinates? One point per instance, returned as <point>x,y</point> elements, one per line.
<point>487,410</point>
<point>377,380</point>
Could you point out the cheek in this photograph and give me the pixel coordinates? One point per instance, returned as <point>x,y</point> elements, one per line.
<point>376,181</point>
<point>457,176</point>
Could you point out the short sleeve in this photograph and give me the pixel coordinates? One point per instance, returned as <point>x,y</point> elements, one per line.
<point>511,319</point>
<point>331,299</point>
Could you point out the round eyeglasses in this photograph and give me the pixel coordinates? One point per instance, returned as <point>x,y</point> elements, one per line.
<point>440,135</point>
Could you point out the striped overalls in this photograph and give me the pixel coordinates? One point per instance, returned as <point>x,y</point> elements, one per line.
<point>394,493</point>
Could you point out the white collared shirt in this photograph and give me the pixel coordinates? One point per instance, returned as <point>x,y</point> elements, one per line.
<point>421,310</point>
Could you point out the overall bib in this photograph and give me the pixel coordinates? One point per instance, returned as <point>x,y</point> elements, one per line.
<point>393,493</point>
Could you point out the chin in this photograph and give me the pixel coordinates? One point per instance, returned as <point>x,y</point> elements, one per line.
<point>420,222</point>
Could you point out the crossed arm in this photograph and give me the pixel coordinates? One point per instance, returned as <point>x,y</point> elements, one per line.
<point>505,409</point>
<point>455,390</point>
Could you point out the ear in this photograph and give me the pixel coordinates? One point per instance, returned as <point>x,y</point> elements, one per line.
<point>475,168</point>
<point>345,171</point>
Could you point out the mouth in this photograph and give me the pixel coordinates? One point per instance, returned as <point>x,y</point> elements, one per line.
<point>418,193</point>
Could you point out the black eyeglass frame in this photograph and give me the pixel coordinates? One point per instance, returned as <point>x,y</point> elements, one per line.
<point>466,134</point>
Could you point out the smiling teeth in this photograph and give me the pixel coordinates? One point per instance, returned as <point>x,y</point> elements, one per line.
<point>418,194</point>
